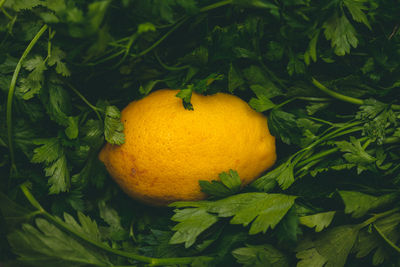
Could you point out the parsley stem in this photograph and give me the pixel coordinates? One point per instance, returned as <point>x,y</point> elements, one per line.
<point>12,89</point>
<point>377,216</point>
<point>336,95</point>
<point>384,237</point>
<point>6,13</point>
<point>165,66</point>
<point>154,45</point>
<point>216,5</point>
<point>345,98</point>
<point>94,108</point>
<point>64,226</point>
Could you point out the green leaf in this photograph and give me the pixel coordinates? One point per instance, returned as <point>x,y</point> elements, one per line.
<point>330,248</point>
<point>267,182</point>
<point>260,256</point>
<point>319,220</point>
<point>56,58</point>
<point>113,127</point>
<point>311,52</point>
<point>111,217</point>
<point>58,172</point>
<point>261,210</point>
<point>13,213</point>
<point>146,27</point>
<point>72,130</point>
<point>295,66</point>
<point>355,153</point>
<point>288,228</point>
<point>202,85</point>
<point>310,258</point>
<point>262,102</point>
<point>228,184</point>
<point>378,117</point>
<point>147,87</point>
<point>46,245</point>
<point>359,204</point>
<point>275,51</point>
<point>286,175</point>
<point>29,88</point>
<point>36,66</point>
<point>186,95</point>
<point>51,153</point>
<point>86,226</point>
<point>19,5</point>
<point>96,13</point>
<point>341,33</point>
<point>283,125</point>
<point>58,104</point>
<point>192,222</point>
<point>256,76</point>
<point>356,9</point>
<point>370,241</point>
<point>48,151</point>
<point>235,80</point>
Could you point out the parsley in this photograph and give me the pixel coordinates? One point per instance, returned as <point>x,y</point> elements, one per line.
<point>324,73</point>
<point>113,127</point>
<point>52,154</point>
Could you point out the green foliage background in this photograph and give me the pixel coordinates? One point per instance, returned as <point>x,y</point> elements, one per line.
<point>325,73</point>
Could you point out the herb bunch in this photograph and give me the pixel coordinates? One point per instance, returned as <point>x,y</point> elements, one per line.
<point>325,73</point>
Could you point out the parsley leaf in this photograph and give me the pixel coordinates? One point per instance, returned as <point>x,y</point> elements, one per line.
<point>262,255</point>
<point>51,153</point>
<point>45,244</point>
<point>370,241</point>
<point>355,153</point>
<point>261,210</point>
<point>356,8</point>
<point>113,127</point>
<point>331,247</point>
<point>229,184</point>
<point>262,102</point>
<point>358,204</point>
<point>56,58</point>
<point>318,220</point>
<point>283,125</point>
<point>192,222</point>
<point>342,34</point>
<point>186,95</point>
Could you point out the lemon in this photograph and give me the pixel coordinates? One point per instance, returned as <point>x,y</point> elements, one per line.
<point>168,149</point>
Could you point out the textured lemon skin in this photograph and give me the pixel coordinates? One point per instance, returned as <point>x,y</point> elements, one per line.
<point>168,149</point>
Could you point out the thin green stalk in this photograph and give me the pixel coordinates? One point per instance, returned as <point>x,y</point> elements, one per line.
<point>177,25</point>
<point>285,102</point>
<point>345,98</point>
<point>94,108</point>
<point>159,41</point>
<point>169,67</point>
<point>6,13</point>
<point>336,95</point>
<point>313,99</point>
<point>64,226</point>
<point>2,2</point>
<point>216,5</point>
<point>317,156</point>
<point>377,217</point>
<point>387,240</point>
<point>322,121</point>
<point>12,89</point>
<point>107,58</point>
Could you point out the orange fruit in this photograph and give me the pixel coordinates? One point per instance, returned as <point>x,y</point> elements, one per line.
<point>168,149</point>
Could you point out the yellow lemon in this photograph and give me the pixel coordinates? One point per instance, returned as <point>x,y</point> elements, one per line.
<point>168,149</point>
